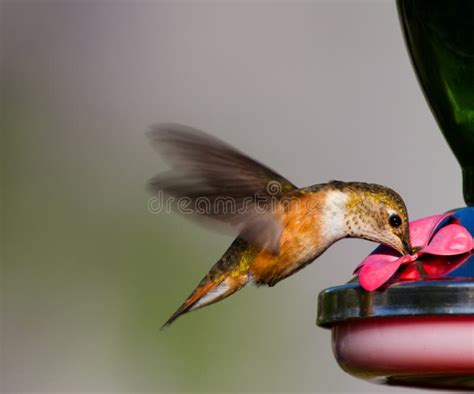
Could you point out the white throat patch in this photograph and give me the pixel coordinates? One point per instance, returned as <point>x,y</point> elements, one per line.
<point>334,226</point>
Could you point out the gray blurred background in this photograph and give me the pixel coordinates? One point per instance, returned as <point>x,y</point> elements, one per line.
<point>317,90</point>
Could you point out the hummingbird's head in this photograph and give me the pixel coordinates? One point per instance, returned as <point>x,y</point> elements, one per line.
<point>375,213</point>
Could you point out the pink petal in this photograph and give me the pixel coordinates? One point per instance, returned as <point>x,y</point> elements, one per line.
<point>421,230</point>
<point>408,258</point>
<point>378,268</point>
<point>380,250</point>
<point>436,266</point>
<point>450,240</point>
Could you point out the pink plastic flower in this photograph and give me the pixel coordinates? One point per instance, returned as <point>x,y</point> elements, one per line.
<point>433,244</point>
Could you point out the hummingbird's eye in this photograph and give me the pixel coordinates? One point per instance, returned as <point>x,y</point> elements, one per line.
<point>395,220</point>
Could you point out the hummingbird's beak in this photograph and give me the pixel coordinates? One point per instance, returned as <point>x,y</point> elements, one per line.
<point>407,247</point>
<point>403,246</point>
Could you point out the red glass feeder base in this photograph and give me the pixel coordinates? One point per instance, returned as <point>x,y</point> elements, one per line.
<point>431,352</point>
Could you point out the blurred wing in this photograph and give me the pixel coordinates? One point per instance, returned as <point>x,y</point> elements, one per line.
<point>216,181</point>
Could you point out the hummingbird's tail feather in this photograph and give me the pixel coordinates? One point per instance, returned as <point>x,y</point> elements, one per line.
<point>208,293</point>
<point>227,276</point>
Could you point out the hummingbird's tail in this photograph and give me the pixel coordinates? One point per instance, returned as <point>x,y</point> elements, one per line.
<point>227,276</point>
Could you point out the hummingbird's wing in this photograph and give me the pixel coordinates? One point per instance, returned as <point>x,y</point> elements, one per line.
<point>215,181</point>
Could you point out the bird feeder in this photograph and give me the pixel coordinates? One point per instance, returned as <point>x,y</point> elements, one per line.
<point>418,330</point>
<point>416,333</point>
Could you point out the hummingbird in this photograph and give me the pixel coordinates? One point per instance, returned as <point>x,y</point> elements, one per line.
<point>281,228</point>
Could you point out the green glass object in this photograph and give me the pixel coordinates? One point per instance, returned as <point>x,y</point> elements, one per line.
<point>440,39</point>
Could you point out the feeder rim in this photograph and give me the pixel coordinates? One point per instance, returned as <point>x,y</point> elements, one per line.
<point>414,298</point>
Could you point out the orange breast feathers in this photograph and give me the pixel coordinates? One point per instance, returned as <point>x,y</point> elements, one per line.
<point>300,240</point>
